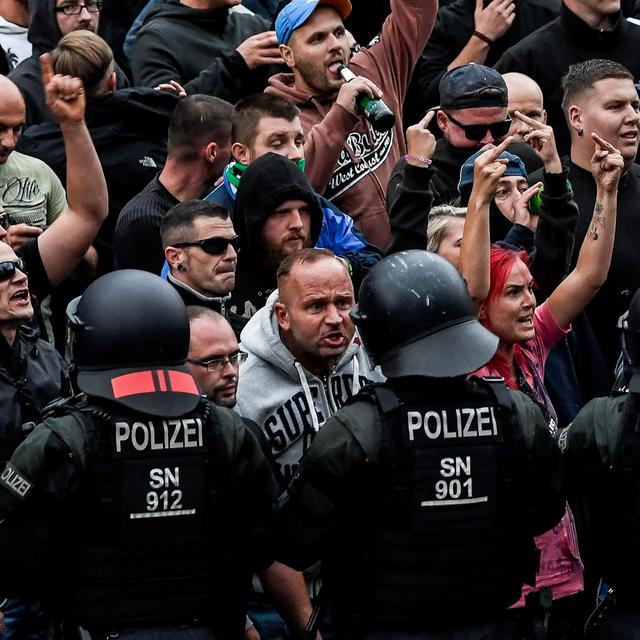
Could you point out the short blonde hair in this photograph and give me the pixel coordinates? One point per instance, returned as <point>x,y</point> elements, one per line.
<point>440,218</point>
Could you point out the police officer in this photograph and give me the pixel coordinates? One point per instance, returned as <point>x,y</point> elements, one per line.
<point>601,451</point>
<point>422,496</point>
<point>137,508</point>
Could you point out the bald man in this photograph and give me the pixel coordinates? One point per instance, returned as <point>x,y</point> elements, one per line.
<point>526,97</point>
<point>30,191</point>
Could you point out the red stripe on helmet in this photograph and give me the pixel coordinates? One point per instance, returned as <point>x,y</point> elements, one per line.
<point>131,384</point>
<point>162,380</point>
<point>182,383</point>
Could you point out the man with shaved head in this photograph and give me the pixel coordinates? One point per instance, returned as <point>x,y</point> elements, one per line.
<point>32,194</point>
<point>526,97</point>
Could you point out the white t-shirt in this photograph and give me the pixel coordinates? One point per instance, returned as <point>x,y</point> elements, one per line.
<point>13,39</point>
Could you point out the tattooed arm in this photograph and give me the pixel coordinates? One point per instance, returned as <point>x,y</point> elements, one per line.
<point>590,273</point>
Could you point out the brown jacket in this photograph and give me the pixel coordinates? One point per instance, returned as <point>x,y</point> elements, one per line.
<point>354,175</point>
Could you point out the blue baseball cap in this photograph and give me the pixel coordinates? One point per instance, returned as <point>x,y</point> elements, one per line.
<point>297,12</point>
<point>515,167</point>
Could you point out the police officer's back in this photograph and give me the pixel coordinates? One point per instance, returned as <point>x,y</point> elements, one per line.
<point>138,504</point>
<point>601,451</point>
<point>423,495</point>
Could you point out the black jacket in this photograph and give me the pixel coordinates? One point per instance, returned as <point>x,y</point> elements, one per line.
<point>32,374</point>
<point>44,35</point>
<point>570,40</point>
<point>197,48</point>
<point>613,298</point>
<point>129,131</point>
<point>451,32</point>
<point>269,181</point>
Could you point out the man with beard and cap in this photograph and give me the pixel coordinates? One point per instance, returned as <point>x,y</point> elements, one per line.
<point>157,503</point>
<point>433,484</point>
<point>342,149</point>
<point>277,213</point>
<point>50,20</point>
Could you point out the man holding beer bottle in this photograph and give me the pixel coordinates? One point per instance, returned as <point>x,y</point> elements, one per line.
<point>346,154</point>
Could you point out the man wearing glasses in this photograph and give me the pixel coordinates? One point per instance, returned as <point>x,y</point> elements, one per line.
<point>201,249</point>
<point>472,113</point>
<point>50,20</point>
<point>214,355</point>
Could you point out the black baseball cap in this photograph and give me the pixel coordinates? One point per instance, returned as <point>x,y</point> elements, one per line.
<point>472,85</point>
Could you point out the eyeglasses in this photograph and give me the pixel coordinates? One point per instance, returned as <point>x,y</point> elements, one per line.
<point>217,365</point>
<point>93,6</point>
<point>4,220</point>
<point>215,246</point>
<point>8,268</point>
<point>479,131</point>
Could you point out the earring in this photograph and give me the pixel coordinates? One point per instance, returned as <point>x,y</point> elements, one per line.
<point>581,132</point>
<point>180,267</point>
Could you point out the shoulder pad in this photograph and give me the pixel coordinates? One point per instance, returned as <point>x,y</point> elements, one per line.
<point>496,386</point>
<point>378,393</point>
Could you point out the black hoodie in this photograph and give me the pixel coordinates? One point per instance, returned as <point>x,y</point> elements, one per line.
<point>44,35</point>
<point>129,130</point>
<point>547,53</point>
<point>269,181</point>
<point>197,47</point>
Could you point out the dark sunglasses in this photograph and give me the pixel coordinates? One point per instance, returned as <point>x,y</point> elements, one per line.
<point>8,268</point>
<point>478,131</point>
<point>4,220</point>
<point>214,246</point>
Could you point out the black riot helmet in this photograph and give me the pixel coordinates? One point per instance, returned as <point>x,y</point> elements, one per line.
<point>127,342</point>
<point>415,317</point>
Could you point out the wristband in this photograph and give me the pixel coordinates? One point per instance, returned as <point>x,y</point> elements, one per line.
<point>482,37</point>
<point>427,162</point>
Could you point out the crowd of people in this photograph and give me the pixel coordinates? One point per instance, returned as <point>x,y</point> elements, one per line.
<point>271,367</point>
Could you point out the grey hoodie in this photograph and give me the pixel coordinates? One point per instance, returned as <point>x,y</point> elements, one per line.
<point>288,402</point>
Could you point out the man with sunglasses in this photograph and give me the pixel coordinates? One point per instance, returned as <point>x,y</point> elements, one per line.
<point>201,249</point>
<point>50,20</point>
<point>472,113</point>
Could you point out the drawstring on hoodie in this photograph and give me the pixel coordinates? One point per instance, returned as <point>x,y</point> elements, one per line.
<point>308,396</point>
<point>355,380</point>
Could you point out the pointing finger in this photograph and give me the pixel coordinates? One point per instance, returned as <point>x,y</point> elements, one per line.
<point>46,68</point>
<point>424,123</point>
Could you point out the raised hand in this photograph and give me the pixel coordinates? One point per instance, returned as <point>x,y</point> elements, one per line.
<point>421,143</point>
<point>521,213</point>
<point>607,164</point>
<point>261,49</point>
<point>487,171</point>
<point>64,95</point>
<point>542,140</point>
<point>495,19</point>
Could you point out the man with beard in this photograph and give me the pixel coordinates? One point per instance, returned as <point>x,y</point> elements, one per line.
<point>277,213</point>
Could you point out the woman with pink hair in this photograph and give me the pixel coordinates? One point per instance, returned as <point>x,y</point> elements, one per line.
<point>501,286</point>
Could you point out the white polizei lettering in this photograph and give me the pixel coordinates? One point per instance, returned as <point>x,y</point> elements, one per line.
<point>485,417</point>
<point>467,431</point>
<point>14,481</point>
<point>137,428</point>
<point>122,433</point>
<point>445,424</point>
<point>169,434</point>
<point>178,427</point>
<point>432,434</point>
<point>189,431</point>
<point>414,423</point>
